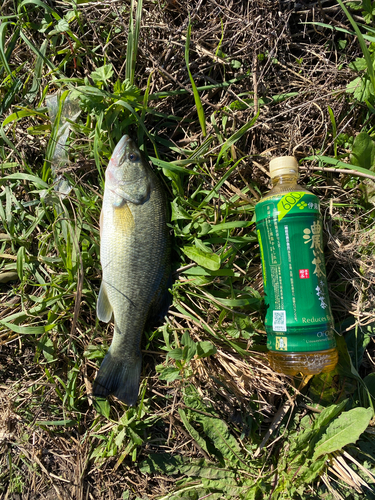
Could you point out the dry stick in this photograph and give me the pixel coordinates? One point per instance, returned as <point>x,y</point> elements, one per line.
<point>337,135</point>
<point>252,191</point>
<point>217,107</point>
<point>184,268</point>
<point>239,193</point>
<point>360,466</point>
<point>255,83</point>
<point>297,75</point>
<point>48,474</point>
<point>171,77</point>
<point>8,256</point>
<point>275,424</point>
<point>340,171</point>
<point>171,418</point>
<point>197,47</point>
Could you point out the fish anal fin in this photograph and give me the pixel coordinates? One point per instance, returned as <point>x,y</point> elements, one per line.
<point>103,307</point>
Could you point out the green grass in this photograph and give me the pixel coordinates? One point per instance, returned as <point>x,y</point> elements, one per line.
<point>212,420</point>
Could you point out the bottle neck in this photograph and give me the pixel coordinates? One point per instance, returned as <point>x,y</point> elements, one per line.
<point>282,184</point>
<point>284,180</point>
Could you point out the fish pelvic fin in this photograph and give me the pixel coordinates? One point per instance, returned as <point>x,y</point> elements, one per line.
<point>119,377</point>
<point>103,307</point>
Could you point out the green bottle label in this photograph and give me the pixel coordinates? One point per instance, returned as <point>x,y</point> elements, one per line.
<point>299,317</point>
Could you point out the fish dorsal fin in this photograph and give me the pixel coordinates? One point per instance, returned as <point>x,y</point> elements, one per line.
<point>103,307</point>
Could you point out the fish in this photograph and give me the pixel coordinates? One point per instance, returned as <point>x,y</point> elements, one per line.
<point>135,259</point>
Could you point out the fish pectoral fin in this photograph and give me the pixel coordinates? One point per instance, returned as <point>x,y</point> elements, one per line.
<point>103,307</point>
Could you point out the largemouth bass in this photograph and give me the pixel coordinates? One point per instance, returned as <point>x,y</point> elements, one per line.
<point>134,253</point>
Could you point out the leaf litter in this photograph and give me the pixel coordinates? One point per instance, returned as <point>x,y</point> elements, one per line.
<point>260,82</point>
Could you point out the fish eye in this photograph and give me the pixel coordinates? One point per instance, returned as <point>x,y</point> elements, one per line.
<point>133,156</point>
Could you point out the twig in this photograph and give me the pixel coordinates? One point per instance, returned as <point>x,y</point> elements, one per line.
<point>255,82</point>
<point>275,424</point>
<point>340,171</point>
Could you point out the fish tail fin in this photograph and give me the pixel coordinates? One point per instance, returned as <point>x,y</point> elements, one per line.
<point>119,377</point>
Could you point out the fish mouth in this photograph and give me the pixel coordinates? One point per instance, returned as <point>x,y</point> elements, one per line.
<point>121,146</point>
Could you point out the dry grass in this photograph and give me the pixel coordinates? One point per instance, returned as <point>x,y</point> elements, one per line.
<point>289,72</point>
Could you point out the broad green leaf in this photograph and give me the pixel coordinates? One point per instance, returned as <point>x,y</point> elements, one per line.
<point>60,27</point>
<point>102,74</point>
<point>214,428</point>
<point>176,354</point>
<point>345,430</point>
<point>210,471</point>
<point>38,3</point>
<point>65,423</point>
<point>192,431</point>
<point>21,256</point>
<point>178,213</point>
<point>230,225</point>
<point>171,166</point>
<point>168,373</point>
<point>312,469</point>
<point>361,88</point>
<point>219,433</point>
<point>358,65</point>
<point>209,260</point>
<point>199,271</point>
<point>300,443</point>
<point>134,436</point>
<point>21,113</point>
<point>205,348</point>
<point>187,340</point>
<point>241,302</point>
<point>28,330</point>
<point>363,153</point>
<point>362,43</point>
<point>190,347</point>
<point>328,414</point>
<point>164,463</point>
<point>48,348</point>
<point>102,406</point>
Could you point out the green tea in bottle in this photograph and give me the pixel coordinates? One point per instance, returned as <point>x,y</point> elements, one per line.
<point>299,322</point>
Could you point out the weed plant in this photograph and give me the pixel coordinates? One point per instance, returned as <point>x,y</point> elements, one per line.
<point>211,92</point>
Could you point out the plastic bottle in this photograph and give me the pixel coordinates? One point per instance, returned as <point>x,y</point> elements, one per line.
<point>299,322</point>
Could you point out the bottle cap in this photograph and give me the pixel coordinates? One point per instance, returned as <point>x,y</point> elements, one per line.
<point>283,165</point>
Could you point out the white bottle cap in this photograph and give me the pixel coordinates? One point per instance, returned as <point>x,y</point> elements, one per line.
<point>283,165</point>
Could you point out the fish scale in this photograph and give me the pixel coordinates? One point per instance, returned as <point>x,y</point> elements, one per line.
<point>134,249</point>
